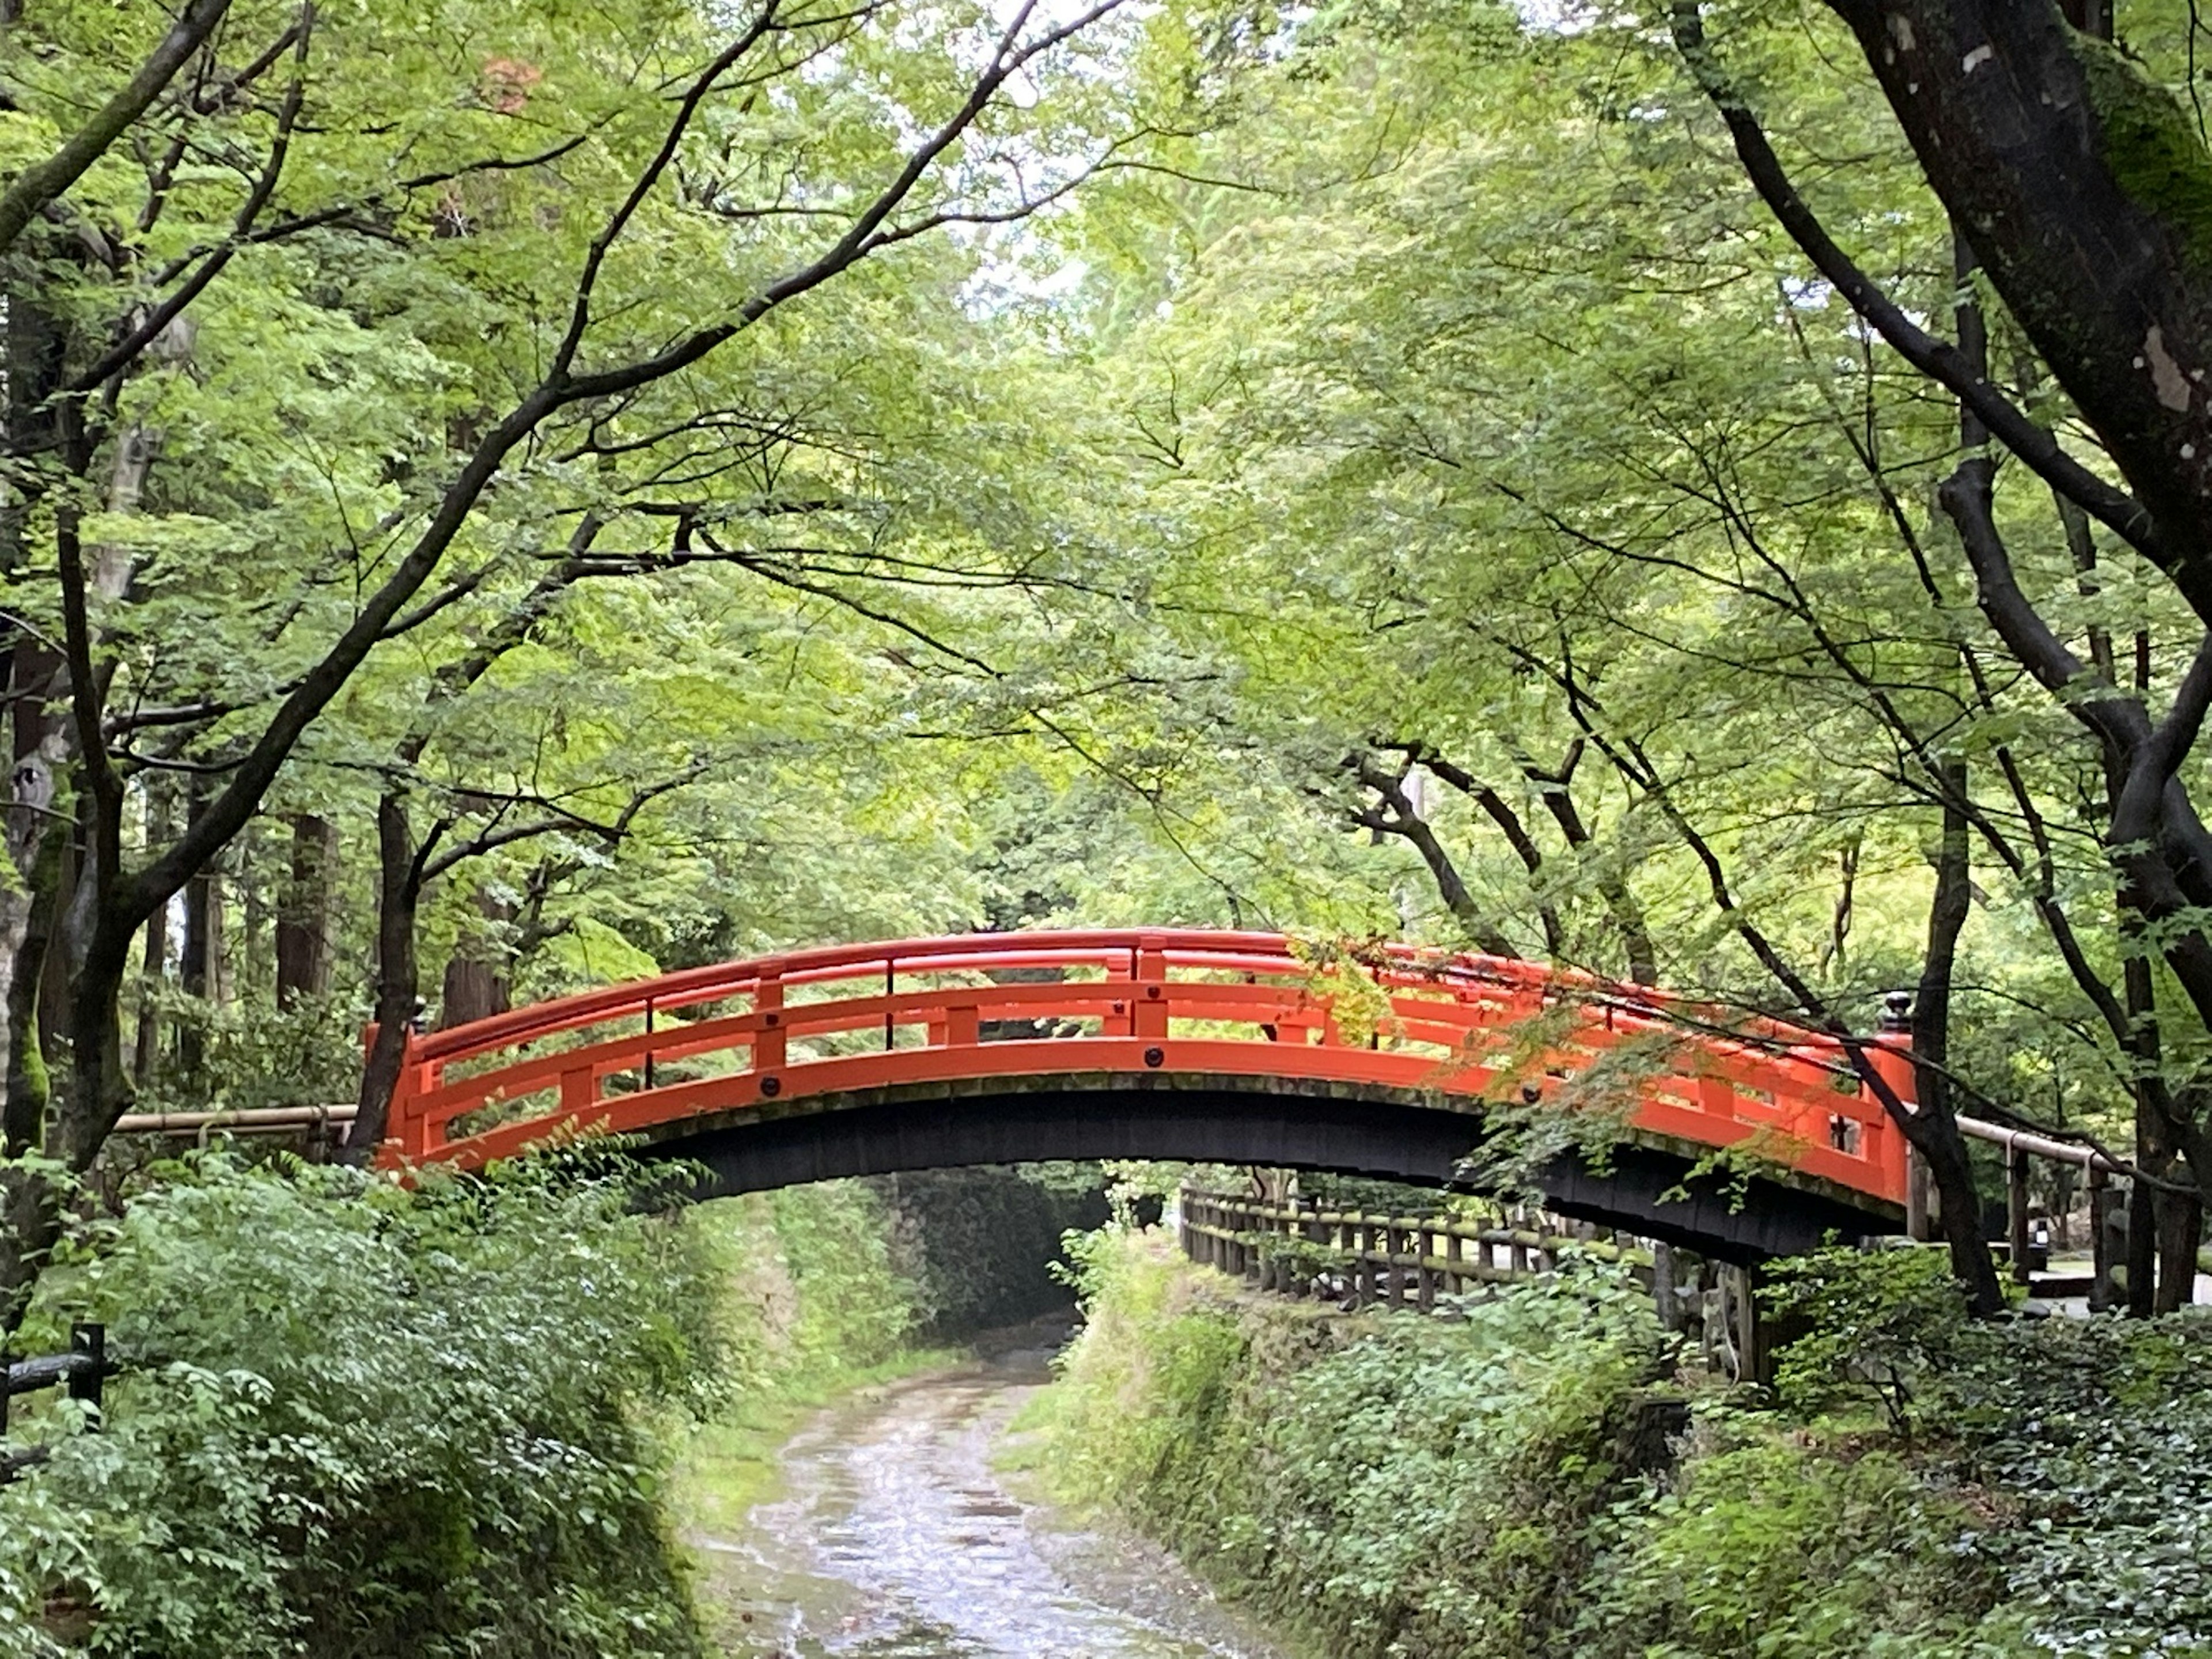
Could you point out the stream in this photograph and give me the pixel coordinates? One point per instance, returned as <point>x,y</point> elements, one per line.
<point>895,1538</point>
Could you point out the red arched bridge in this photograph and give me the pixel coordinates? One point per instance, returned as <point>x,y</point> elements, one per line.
<point>1179,1044</point>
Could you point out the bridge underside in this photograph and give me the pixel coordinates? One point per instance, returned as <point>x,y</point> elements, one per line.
<point>1353,1130</point>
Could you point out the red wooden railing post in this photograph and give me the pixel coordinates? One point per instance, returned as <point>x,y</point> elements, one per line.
<point>769,1045</point>
<point>405,1122</point>
<point>580,1091</point>
<point>1120,1018</point>
<point>1148,1008</point>
<point>1886,1146</point>
<point>1716,1095</point>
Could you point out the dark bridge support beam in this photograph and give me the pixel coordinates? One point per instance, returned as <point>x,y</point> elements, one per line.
<point>1241,1120</point>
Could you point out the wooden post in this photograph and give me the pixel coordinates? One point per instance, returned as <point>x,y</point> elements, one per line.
<point>1371,1280</point>
<point>89,1344</point>
<point>2100,1245</point>
<point>1662,1286</point>
<point>1424,1282</point>
<point>768,1046</point>
<point>1454,1253</point>
<point>1743,1318</point>
<point>2016,1211</point>
<point>1891,1055</point>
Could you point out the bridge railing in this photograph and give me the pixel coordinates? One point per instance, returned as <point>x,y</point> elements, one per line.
<point>767,1032</point>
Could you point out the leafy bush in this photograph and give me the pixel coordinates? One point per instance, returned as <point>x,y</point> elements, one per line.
<point>1879,1323</point>
<point>367,1422</point>
<point>1767,1545</point>
<point>2090,1441</point>
<point>1389,1483</point>
<point>1493,1487</point>
<point>2100,1432</point>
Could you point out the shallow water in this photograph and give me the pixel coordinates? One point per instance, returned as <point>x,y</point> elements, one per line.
<point>897,1540</point>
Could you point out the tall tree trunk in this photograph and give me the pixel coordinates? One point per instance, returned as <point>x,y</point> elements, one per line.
<point>398,974</point>
<point>303,912</point>
<point>1941,1143</point>
<point>476,973</point>
<point>200,970</point>
<point>30,1090</point>
<point>2151,1151</point>
<point>2180,1234</point>
<point>153,976</point>
<point>32,349</point>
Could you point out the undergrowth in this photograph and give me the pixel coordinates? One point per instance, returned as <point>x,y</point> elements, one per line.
<point>1536,1478</point>
<point>366,1422</point>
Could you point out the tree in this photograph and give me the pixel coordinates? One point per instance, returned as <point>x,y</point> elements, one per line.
<point>540,337</point>
<point>1499,421</point>
<point>2072,178</point>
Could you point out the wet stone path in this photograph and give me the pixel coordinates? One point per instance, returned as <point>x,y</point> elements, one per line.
<point>897,1540</point>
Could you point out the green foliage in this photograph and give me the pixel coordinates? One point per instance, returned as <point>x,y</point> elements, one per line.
<point>1502,1485</point>
<point>1884,1321</point>
<point>978,1243</point>
<point>2101,1433</point>
<point>1766,1545</point>
<point>2085,1440</point>
<point>367,1421</point>
<point>1285,1449</point>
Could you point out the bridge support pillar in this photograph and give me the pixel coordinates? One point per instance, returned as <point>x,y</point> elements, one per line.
<point>1759,1335</point>
<point>1921,1216</point>
<point>2100,1238</point>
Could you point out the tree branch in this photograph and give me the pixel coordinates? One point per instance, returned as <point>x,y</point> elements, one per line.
<point>44,181</point>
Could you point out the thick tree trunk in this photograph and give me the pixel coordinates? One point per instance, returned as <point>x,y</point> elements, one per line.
<point>99,1093</point>
<point>1937,1125</point>
<point>2152,1153</point>
<point>200,970</point>
<point>2074,178</point>
<point>2180,1234</point>
<point>35,350</point>
<point>303,912</point>
<point>399,975</point>
<point>30,1091</point>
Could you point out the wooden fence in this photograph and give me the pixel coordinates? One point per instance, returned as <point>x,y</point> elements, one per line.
<point>1394,1260</point>
<point>83,1371</point>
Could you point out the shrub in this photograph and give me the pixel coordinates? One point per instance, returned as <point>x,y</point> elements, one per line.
<point>1779,1545</point>
<point>1488,1487</point>
<point>367,1422</point>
